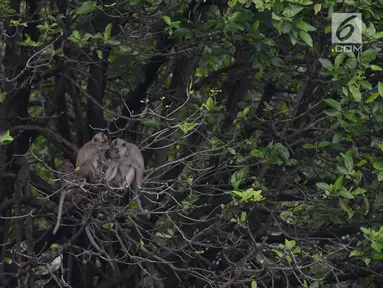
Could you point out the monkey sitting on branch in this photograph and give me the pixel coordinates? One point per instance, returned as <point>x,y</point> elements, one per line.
<point>126,167</point>
<point>90,162</point>
<point>91,157</point>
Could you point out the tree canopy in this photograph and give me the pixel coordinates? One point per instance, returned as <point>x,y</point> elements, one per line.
<point>261,139</point>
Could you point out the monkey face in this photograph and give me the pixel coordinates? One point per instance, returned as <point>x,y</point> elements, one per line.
<point>101,141</point>
<point>117,149</point>
<point>66,165</point>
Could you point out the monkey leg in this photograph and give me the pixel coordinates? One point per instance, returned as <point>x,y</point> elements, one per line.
<point>128,180</point>
<point>138,203</point>
<point>130,177</point>
<point>87,171</point>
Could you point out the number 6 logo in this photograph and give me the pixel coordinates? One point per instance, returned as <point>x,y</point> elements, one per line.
<point>346,28</point>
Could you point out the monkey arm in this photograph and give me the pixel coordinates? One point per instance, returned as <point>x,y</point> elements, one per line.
<point>111,172</point>
<point>129,177</point>
<point>87,171</point>
<point>103,161</point>
<point>139,177</point>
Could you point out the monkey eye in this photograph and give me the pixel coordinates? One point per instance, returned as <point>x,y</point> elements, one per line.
<point>123,144</point>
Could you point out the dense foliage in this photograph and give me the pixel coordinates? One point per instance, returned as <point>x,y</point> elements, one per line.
<point>261,139</point>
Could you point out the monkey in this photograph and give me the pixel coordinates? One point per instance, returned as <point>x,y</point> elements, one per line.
<point>91,157</point>
<point>126,167</point>
<point>66,170</point>
<point>90,160</point>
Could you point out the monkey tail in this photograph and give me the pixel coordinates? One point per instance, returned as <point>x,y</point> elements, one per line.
<point>60,210</point>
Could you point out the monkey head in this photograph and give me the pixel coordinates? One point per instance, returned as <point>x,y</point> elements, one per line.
<point>118,149</point>
<point>65,167</point>
<point>101,141</point>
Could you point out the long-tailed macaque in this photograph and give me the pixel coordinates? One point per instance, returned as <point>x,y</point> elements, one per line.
<point>126,168</point>
<point>66,171</point>
<point>91,157</point>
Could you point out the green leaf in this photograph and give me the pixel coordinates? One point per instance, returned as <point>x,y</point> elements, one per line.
<point>351,63</point>
<point>377,246</point>
<point>293,39</point>
<point>254,284</point>
<point>257,153</point>
<point>359,191</point>
<point>86,8</point>
<point>215,10</point>
<point>380,88</point>
<point>345,91</point>
<point>378,35</point>
<point>181,32</point>
<point>339,60</point>
<point>348,161</point>
<point>209,103</point>
<point>368,55</point>
<point>355,93</point>
<point>232,151</point>
<point>334,104</point>
<point>365,84</point>
<point>326,64</point>
<point>186,127</point>
<point>289,244</point>
<point>338,183</point>
<point>378,166</point>
<point>346,194</point>
<point>243,216</point>
<point>75,37</point>
<point>371,98</point>
<point>342,170</point>
<point>308,146</point>
<point>163,235</point>
<point>232,3</point>
<point>276,61</point>
<point>380,176</point>
<point>86,37</point>
<point>108,31</point>
<point>356,253</point>
<point>291,10</point>
<point>306,37</point>
<point>302,25</point>
<point>323,186</point>
<point>344,204</point>
<point>332,112</point>
<point>5,138</point>
<point>365,230</point>
<point>375,68</point>
<point>255,26</point>
<point>317,8</point>
<point>167,20</point>
<point>238,177</point>
<point>323,144</point>
<point>361,163</point>
<point>279,253</point>
<point>350,115</point>
<point>99,54</point>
